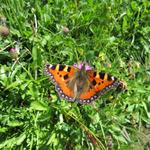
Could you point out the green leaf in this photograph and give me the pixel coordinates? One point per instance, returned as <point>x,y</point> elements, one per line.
<point>125,24</point>
<point>52,139</point>
<point>36,55</point>
<point>36,105</point>
<point>3,129</point>
<point>14,85</point>
<point>14,123</point>
<point>8,143</point>
<point>120,138</point>
<point>20,139</point>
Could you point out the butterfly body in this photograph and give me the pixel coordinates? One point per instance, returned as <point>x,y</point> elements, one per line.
<point>79,84</point>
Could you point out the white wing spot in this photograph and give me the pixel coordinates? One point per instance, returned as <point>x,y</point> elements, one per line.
<point>92,98</point>
<point>63,95</point>
<point>113,78</point>
<point>95,96</point>
<point>88,101</point>
<point>60,91</point>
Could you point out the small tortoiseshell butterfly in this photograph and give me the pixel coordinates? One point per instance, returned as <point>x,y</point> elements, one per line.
<point>80,82</point>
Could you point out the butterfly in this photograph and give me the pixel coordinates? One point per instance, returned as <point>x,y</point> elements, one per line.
<point>80,82</point>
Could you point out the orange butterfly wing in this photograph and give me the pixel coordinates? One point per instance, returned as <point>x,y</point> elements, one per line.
<point>99,84</point>
<point>60,74</point>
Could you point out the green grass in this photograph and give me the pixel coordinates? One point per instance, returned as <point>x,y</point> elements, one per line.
<point>112,36</point>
